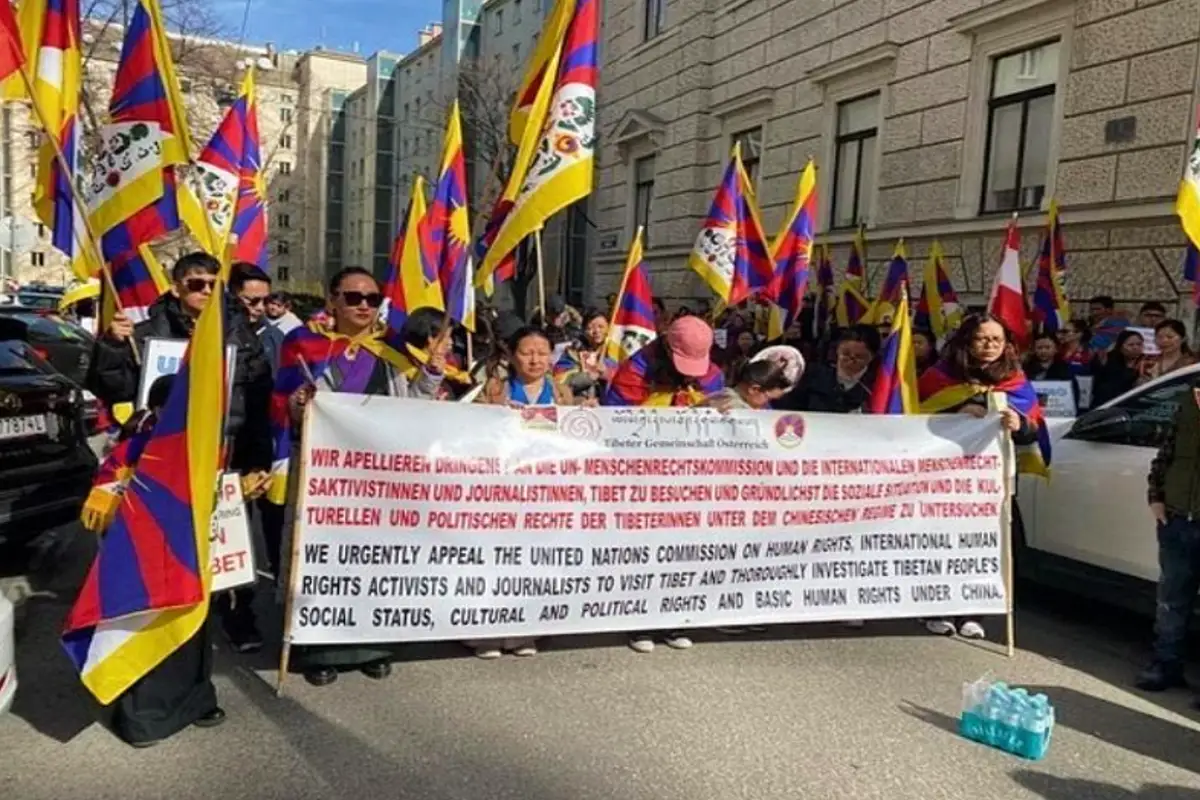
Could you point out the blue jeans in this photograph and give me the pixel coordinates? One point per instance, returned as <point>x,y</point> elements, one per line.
<point>1179,562</point>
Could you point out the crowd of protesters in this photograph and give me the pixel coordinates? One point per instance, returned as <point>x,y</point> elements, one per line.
<point>561,356</point>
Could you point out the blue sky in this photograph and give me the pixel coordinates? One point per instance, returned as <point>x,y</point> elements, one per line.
<point>337,24</point>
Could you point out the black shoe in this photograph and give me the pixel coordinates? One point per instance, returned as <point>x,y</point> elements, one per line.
<point>144,745</point>
<point>212,719</point>
<point>243,634</point>
<point>1159,677</point>
<point>321,676</point>
<point>377,671</point>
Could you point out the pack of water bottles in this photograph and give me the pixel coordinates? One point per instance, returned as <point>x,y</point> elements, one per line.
<point>1007,718</point>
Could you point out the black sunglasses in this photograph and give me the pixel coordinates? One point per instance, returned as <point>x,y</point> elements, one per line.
<point>254,302</point>
<point>197,285</point>
<point>372,299</point>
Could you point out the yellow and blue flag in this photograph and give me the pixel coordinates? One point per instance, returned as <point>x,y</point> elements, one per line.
<point>1051,309</point>
<point>411,282</point>
<point>632,326</point>
<point>938,309</point>
<point>895,284</point>
<point>792,252</point>
<point>1187,203</point>
<point>445,229</point>
<point>895,387</point>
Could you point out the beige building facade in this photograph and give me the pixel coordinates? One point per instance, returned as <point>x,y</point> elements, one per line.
<point>927,119</point>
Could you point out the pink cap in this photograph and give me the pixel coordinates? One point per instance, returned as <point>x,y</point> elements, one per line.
<point>690,340</point>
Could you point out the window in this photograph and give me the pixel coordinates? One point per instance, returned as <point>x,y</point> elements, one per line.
<point>285,115</point>
<point>284,221</point>
<point>285,195</point>
<point>285,168</point>
<point>751,142</point>
<point>285,141</point>
<point>1143,420</point>
<point>185,85</point>
<point>854,160</point>
<point>643,196</point>
<point>517,52</point>
<point>516,11</point>
<point>41,230</point>
<point>281,248</point>
<point>499,22</point>
<point>652,24</point>
<point>286,99</point>
<point>37,259</point>
<point>1020,116</point>
<point>281,272</point>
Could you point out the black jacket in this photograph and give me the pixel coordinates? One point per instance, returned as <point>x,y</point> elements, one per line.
<point>820,391</point>
<point>114,375</point>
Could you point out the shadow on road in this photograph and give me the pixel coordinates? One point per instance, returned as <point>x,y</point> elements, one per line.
<point>1115,724</point>
<point>1051,787</point>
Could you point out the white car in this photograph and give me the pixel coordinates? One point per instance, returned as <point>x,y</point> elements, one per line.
<point>1089,526</point>
<point>8,662</point>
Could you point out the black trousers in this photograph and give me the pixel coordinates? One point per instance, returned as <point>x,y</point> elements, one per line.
<point>171,696</point>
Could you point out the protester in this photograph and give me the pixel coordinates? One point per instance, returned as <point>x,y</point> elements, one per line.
<point>760,382</point>
<point>252,287</point>
<point>1118,372</point>
<point>925,350</point>
<point>1106,323</point>
<point>1074,341</point>
<point>662,320</point>
<point>561,322</point>
<point>1174,498</point>
<point>1173,352</point>
<point>279,313</point>
<point>980,359</point>
<point>347,355</point>
<point>1151,314</point>
<point>424,328</point>
<point>584,367</point>
<point>1044,362</point>
<point>529,381</point>
<point>845,386</point>
<point>741,347</point>
<point>676,369</point>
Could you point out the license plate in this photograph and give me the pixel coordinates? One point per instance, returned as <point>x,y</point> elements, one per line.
<point>22,427</point>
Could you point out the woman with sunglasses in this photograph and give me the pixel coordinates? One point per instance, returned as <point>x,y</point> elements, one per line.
<point>347,354</point>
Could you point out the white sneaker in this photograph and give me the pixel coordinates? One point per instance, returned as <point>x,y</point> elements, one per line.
<point>940,627</point>
<point>487,653</point>
<point>854,624</point>
<point>525,651</point>
<point>641,644</point>
<point>972,630</point>
<point>677,642</point>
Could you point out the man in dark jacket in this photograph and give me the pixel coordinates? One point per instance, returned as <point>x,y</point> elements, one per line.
<point>115,373</point>
<point>252,287</point>
<point>1174,497</point>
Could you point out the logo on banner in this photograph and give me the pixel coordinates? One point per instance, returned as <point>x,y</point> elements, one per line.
<point>582,424</point>
<point>539,418</point>
<point>789,430</point>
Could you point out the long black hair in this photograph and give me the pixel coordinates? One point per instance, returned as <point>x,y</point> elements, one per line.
<point>957,355</point>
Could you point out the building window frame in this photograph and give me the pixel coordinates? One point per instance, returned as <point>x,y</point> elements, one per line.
<point>867,144</point>
<point>1002,29</point>
<point>654,19</point>
<point>642,217</point>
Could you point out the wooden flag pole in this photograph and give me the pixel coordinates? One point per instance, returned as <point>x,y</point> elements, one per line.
<point>998,402</point>
<point>285,655</point>
<point>541,275</point>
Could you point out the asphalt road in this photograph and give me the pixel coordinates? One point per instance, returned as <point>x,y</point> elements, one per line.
<point>802,712</point>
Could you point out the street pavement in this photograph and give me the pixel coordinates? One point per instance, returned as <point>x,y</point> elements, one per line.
<point>818,712</point>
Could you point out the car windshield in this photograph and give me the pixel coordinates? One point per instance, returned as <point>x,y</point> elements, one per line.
<point>48,328</point>
<point>16,359</point>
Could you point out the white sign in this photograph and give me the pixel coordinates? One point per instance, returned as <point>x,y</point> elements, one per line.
<point>230,554</point>
<point>1057,398</point>
<point>484,521</point>
<point>1149,344</point>
<point>165,357</point>
<point>1084,382</point>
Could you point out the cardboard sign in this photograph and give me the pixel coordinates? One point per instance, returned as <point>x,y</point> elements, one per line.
<point>230,555</point>
<point>1149,346</point>
<point>165,357</point>
<point>1084,382</point>
<point>1057,398</point>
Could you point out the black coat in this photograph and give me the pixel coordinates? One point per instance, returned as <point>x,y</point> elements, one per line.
<point>114,375</point>
<point>820,391</point>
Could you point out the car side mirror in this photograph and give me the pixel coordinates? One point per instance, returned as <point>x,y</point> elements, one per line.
<point>1103,424</point>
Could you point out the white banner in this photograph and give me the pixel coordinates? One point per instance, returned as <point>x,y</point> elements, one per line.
<point>463,522</point>
<point>1057,398</point>
<point>165,357</point>
<point>230,553</point>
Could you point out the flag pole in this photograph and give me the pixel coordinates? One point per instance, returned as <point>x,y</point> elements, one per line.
<point>76,196</point>
<point>289,580</point>
<point>541,274</point>
<point>637,238</point>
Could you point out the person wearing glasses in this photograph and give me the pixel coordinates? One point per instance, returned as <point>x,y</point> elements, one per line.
<point>351,353</point>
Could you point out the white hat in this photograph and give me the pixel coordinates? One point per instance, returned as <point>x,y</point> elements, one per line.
<point>787,357</point>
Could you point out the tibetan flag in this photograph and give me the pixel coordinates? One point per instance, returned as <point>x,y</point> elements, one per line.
<point>148,589</point>
<point>1191,268</point>
<point>1187,204</point>
<point>938,309</point>
<point>540,71</point>
<point>555,162</point>
<point>826,294</point>
<point>1007,302</point>
<point>12,54</point>
<point>227,193</point>
<point>852,307</point>
<point>147,136</point>
<point>51,33</point>
<point>632,326</point>
<point>856,267</point>
<point>895,388</point>
<point>1050,307</point>
<point>444,233</point>
<point>895,284</point>
<point>633,383</point>
<point>793,248</point>
<point>941,392</point>
<point>139,280</point>
<point>731,252</point>
<point>410,283</point>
